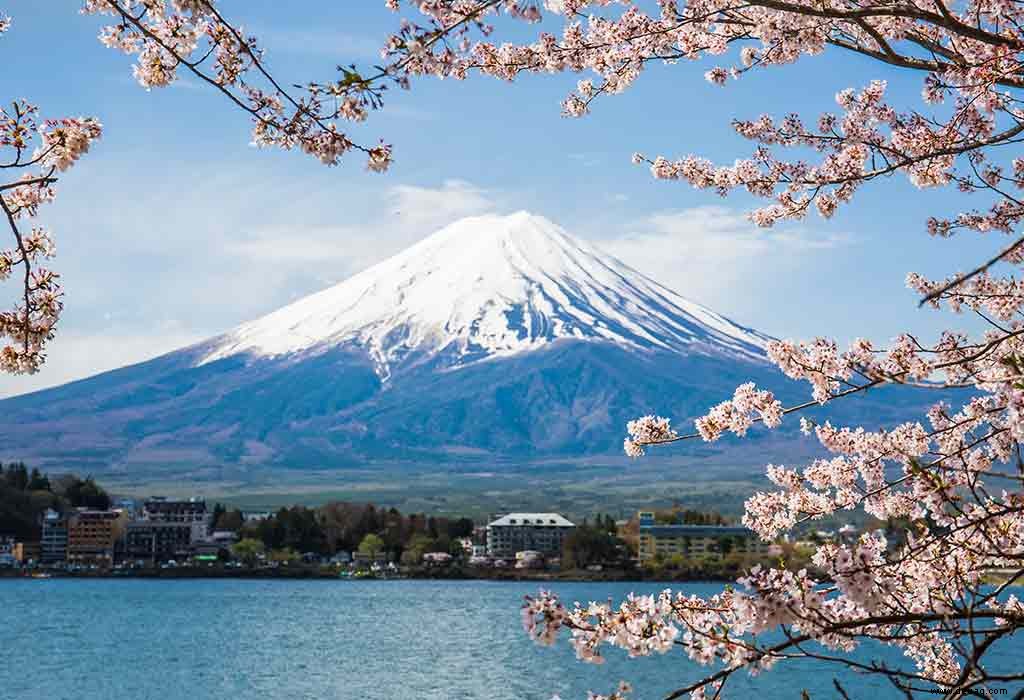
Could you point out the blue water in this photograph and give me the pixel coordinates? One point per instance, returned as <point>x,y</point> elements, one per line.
<point>366,640</point>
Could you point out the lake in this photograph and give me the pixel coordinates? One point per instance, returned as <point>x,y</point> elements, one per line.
<point>423,640</point>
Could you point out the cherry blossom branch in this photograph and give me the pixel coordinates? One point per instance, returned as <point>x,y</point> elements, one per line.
<point>165,40</point>
<point>26,293</point>
<point>960,279</point>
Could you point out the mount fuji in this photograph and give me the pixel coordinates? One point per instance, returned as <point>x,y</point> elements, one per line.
<point>497,338</point>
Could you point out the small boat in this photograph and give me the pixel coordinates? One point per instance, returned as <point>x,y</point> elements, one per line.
<point>41,574</point>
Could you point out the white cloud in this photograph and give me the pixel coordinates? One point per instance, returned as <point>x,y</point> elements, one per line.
<point>287,247</point>
<point>74,356</point>
<point>431,207</point>
<point>709,252</point>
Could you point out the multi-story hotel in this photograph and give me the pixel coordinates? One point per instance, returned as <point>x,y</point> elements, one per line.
<point>517,532</point>
<point>695,540</point>
<point>54,542</point>
<point>191,512</point>
<point>157,541</point>
<point>167,529</point>
<point>93,534</point>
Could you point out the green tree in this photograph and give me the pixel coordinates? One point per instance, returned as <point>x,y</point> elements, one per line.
<point>589,544</point>
<point>418,545</point>
<point>38,481</point>
<point>371,546</point>
<point>17,476</point>
<point>86,493</point>
<point>456,550</point>
<point>302,530</point>
<point>463,527</point>
<point>247,550</point>
<point>284,556</point>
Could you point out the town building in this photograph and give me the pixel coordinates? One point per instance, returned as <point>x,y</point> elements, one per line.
<point>27,552</point>
<point>169,529</point>
<point>7,551</point>
<point>217,545</point>
<point>157,541</point>
<point>93,535</point>
<point>695,540</point>
<point>517,532</point>
<point>224,537</point>
<point>54,543</point>
<point>190,512</point>
<point>128,505</point>
<point>437,558</point>
<point>363,559</point>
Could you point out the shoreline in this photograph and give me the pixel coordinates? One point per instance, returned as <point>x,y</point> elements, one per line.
<point>315,573</point>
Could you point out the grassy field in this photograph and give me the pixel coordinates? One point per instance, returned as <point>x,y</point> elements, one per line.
<point>576,490</point>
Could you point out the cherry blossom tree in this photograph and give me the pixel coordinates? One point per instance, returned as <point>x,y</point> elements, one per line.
<point>957,473</point>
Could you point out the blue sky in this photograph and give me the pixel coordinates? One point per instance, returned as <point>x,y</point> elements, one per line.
<point>174,229</point>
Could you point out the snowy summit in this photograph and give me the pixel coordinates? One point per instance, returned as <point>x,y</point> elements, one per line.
<point>489,286</point>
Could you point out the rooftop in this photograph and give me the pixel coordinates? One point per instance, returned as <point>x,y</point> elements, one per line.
<point>543,519</point>
<point>695,530</point>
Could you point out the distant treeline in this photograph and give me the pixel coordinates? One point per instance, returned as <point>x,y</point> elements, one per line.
<point>25,495</point>
<point>363,527</point>
<point>338,527</point>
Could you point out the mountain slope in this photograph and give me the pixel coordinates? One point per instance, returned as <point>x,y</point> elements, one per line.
<point>497,339</point>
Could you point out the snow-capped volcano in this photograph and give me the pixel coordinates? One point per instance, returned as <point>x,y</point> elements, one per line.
<point>487,287</point>
<point>497,338</point>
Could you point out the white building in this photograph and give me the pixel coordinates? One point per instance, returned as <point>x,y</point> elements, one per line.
<point>516,532</point>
